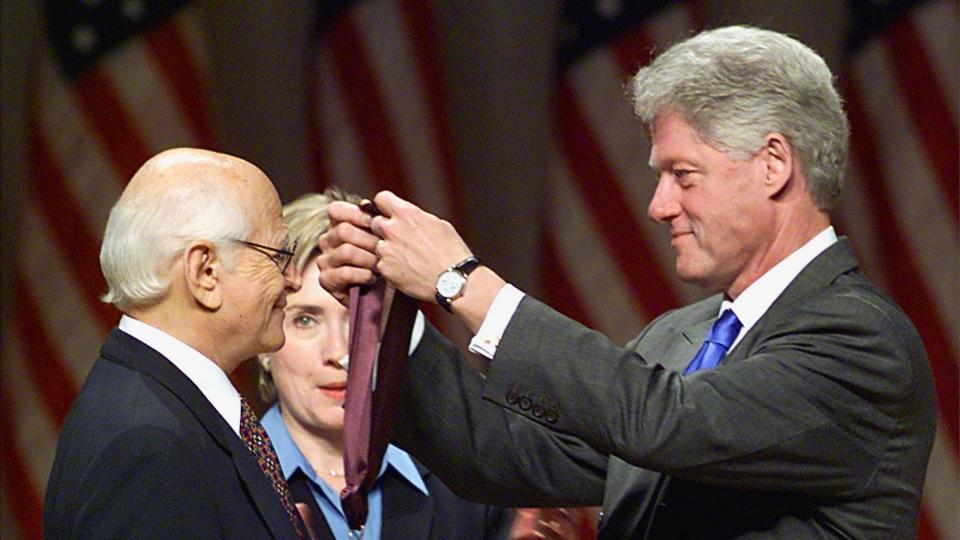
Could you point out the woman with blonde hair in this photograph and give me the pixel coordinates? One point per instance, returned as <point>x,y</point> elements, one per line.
<point>307,380</point>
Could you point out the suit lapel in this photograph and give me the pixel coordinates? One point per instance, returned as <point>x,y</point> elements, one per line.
<point>261,491</point>
<point>692,335</point>
<point>128,351</point>
<point>823,269</point>
<point>303,495</point>
<point>836,260</point>
<point>407,512</point>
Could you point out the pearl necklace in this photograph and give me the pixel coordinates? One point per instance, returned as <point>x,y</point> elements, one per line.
<point>332,473</point>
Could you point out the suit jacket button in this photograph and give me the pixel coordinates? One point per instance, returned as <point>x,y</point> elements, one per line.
<point>512,397</point>
<point>552,416</point>
<point>538,410</point>
<point>525,403</point>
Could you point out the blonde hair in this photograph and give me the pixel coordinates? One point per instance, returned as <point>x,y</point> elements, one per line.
<point>307,219</point>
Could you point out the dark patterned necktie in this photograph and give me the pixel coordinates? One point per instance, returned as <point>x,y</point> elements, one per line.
<point>722,334</point>
<point>258,442</point>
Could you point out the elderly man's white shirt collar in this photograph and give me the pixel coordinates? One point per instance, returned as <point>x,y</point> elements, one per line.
<point>205,374</point>
<point>760,295</point>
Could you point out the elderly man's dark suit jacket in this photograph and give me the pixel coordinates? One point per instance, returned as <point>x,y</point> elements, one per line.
<point>818,424</point>
<point>143,454</point>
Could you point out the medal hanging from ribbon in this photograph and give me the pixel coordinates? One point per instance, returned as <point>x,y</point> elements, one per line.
<point>374,383</point>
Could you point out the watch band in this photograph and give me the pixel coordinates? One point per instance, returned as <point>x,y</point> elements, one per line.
<point>467,265</point>
<point>464,268</point>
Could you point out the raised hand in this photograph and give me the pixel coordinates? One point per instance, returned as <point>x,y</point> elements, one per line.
<point>347,250</point>
<point>414,247</point>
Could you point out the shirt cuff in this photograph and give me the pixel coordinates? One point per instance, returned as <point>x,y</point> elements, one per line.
<point>495,323</point>
<point>417,333</point>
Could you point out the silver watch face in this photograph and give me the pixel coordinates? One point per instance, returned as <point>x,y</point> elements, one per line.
<point>450,283</point>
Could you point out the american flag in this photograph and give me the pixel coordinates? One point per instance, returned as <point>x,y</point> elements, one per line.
<point>610,268</point>
<point>605,263</point>
<point>378,107</point>
<point>117,81</point>
<point>901,202</point>
<point>608,265</point>
<point>378,104</point>
<point>113,84</point>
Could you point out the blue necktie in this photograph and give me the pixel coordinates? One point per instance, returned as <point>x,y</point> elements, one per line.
<point>718,342</point>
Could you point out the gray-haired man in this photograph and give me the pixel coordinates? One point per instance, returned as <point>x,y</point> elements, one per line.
<point>796,403</point>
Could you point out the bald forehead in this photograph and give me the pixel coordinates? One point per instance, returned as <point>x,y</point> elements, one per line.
<point>190,167</point>
<point>193,156</point>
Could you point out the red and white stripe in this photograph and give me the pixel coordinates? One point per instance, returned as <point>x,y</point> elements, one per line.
<point>597,226</point>
<point>378,111</point>
<point>379,106</point>
<point>85,139</point>
<point>901,208</point>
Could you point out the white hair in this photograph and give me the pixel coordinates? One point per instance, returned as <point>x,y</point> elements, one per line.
<point>145,232</point>
<point>735,85</point>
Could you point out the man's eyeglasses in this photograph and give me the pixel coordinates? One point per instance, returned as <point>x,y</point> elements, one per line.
<point>280,257</point>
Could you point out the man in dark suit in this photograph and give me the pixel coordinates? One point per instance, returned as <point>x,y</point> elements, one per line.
<point>807,412</point>
<point>194,255</point>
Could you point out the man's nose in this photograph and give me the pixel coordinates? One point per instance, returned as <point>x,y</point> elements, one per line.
<point>665,204</point>
<point>293,280</point>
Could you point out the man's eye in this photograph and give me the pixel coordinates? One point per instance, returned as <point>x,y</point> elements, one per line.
<point>684,177</point>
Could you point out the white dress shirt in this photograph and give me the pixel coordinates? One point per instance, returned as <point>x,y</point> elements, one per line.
<point>749,306</point>
<point>756,299</point>
<point>205,374</point>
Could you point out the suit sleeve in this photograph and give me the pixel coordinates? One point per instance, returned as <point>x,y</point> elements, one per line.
<point>146,484</point>
<point>479,450</point>
<point>809,409</point>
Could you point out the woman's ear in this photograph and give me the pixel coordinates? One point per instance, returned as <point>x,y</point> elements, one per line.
<point>203,270</point>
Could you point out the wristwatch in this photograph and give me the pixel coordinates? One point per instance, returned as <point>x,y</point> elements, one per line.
<point>451,281</point>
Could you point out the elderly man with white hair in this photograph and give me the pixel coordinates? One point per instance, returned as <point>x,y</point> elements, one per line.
<point>159,444</point>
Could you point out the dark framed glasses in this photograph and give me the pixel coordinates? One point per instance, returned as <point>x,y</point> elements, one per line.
<point>280,257</point>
